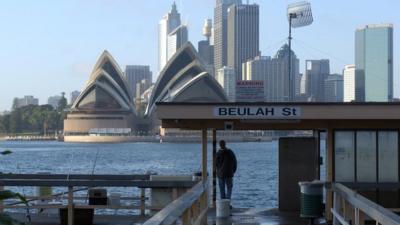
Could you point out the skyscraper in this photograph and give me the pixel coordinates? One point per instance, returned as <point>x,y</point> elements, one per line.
<point>135,74</point>
<point>274,73</point>
<point>317,71</point>
<point>334,88</point>
<point>243,35</point>
<point>374,63</point>
<point>227,79</point>
<point>206,49</point>
<point>176,39</point>
<point>221,31</point>
<point>349,83</point>
<point>166,25</point>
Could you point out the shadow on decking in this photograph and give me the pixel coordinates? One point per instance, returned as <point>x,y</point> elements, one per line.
<point>259,217</point>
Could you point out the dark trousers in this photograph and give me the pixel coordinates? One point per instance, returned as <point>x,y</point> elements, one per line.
<point>228,182</point>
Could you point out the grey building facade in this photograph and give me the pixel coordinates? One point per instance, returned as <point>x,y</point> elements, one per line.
<point>221,32</point>
<point>243,35</point>
<point>275,74</point>
<point>334,88</point>
<point>317,71</point>
<point>374,63</point>
<point>135,74</point>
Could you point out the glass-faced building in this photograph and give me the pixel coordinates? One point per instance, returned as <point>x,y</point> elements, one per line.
<point>374,63</point>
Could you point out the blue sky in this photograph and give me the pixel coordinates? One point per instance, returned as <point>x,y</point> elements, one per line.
<point>48,46</point>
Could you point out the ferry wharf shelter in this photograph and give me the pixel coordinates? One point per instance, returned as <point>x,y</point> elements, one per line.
<point>362,150</point>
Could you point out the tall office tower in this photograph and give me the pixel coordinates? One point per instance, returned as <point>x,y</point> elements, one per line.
<point>317,71</point>
<point>349,83</point>
<point>243,35</point>
<point>226,77</point>
<point>73,96</point>
<point>53,101</point>
<point>334,88</point>
<point>221,32</point>
<point>274,73</point>
<point>176,39</point>
<point>374,63</point>
<point>206,49</point>
<point>135,74</point>
<point>166,25</point>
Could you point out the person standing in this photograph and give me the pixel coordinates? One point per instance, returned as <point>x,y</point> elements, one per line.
<point>226,165</point>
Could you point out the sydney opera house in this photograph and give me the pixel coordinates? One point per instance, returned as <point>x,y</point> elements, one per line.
<point>105,112</point>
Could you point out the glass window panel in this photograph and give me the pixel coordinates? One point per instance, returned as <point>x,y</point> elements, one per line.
<point>366,156</point>
<point>344,156</point>
<point>388,156</point>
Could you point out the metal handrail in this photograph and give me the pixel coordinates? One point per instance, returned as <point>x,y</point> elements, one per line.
<point>361,204</point>
<point>176,209</point>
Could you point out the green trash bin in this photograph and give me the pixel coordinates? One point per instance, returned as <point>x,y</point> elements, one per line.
<point>311,205</point>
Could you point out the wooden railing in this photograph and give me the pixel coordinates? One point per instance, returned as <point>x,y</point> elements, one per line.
<point>190,209</point>
<point>350,207</point>
<point>74,183</point>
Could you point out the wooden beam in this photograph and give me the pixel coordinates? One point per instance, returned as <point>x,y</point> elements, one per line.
<point>214,168</point>
<point>329,173</point>
<point>204,155</point>
<point>70,205</point>
<point>95,183</point>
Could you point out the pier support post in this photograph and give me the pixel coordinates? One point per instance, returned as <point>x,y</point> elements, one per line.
<point>204,155</point>
<point>214,168</point>
<point>1,202</point>
<point>329,172</point>
<point>70,205</point>
<point>142,201</point>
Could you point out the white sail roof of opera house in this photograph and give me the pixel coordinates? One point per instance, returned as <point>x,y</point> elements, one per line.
<point>184,79</point>
<point>106,89</point>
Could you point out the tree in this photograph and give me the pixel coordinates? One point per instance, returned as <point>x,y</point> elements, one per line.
<point>5,124</point>
<point>15,121</point>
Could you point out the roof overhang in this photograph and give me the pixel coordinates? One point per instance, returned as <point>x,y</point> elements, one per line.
<point>279,116</point>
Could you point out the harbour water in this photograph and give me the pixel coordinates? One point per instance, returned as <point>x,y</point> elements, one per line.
<point>255,183</point>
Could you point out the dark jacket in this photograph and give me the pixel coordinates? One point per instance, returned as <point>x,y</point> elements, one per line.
<point>226,163</point>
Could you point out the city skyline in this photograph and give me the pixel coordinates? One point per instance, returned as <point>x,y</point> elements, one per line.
<point>65,46</point>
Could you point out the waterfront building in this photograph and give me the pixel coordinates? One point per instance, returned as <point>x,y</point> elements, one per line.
<point>178,37</point>
<point>206,48</point>
<point>167,24</point>
<point>334,88</point>
<point>73,96</point>
<point>243,36</point>
<point>349,83</point>
<point>25,101</point>
<point>135,74</point>
<point>104,104</point>
<point>317,71</point>
<point>53,101</point>
<point>185,79</point>
<point>226,77</point>
<point>374,63</point>
<point>221,32</point>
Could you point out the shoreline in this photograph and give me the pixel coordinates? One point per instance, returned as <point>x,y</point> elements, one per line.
<point>137,139</point>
